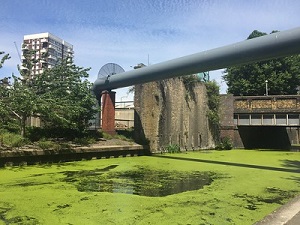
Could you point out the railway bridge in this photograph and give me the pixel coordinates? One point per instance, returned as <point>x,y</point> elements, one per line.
<point>261,121</point>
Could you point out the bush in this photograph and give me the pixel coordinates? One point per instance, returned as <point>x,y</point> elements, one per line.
<point>38,133</point>
<point>85,141</point>
<point>116,136</point>
<point>46,144</point>
<point>12,140</point>
<point>107,136</point>
<point>225,144</point>
<point>122,137</point>
<point>173,148</point>
<point>128,133</point>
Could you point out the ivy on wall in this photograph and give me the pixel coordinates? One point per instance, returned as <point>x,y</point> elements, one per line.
<point>213,100</point>
<point>213,103</point>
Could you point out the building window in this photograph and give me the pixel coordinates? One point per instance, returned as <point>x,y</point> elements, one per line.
<point>45,44</point>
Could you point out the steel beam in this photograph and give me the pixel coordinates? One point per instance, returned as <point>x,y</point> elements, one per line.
<point>270,46</point>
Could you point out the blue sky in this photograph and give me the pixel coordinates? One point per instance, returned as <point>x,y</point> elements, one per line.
<point>128,32</point>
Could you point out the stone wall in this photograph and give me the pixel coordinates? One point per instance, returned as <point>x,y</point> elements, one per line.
<point>166,113</point>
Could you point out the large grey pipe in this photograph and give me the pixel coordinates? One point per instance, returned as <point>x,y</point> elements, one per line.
<point>262,48</point>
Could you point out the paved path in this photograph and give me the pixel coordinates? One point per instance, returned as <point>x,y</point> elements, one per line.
<point>295,220</point>
<point>288,214</point>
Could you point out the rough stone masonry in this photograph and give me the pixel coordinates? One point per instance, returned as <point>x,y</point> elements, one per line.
<point>168,113</point>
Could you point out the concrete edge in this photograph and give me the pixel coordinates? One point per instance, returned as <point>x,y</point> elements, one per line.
<point>283,214</point>
<point>77,150</point>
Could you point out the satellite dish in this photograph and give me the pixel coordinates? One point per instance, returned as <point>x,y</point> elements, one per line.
<point>108,70</point>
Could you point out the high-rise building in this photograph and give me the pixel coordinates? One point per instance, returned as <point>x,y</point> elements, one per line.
<point>48,51</point>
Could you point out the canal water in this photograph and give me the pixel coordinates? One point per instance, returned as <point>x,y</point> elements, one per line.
<point>143,181</point>
<point>144,190</point>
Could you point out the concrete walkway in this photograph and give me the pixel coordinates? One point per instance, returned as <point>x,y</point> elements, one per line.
<point>288,214</point>
<point>31,156</point>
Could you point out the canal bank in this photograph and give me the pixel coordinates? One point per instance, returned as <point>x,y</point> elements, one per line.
<point>31,155</point>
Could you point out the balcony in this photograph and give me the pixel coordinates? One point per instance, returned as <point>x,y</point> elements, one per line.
<point>25,48</point>
<point>70,51</point>
<point>52,57</point>
<point>44,40</point>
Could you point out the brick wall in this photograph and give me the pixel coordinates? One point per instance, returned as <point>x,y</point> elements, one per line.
<point>108,112</point>
<point>226,117</point>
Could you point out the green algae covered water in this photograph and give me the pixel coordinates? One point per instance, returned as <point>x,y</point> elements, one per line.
<point>212,187</point>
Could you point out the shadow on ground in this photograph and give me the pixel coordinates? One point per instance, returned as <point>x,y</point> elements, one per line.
<point>293,165</point>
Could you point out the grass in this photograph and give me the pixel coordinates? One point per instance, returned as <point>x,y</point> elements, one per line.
<point>11,140</point>
<point>251,185</point>
<point>117,136</point>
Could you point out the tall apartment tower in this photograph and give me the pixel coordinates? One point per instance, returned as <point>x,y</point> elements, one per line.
<point>48,48</point>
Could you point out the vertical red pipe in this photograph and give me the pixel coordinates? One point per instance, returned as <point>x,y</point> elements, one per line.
<point>108,112</point>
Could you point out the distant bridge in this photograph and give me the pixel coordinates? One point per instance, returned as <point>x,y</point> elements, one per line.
<point>261,121</point>
<point>279,110</point>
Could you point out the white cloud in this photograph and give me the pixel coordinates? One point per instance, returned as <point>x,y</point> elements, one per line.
<point>128,31</point>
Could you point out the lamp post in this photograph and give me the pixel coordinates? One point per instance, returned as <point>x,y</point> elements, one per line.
<point>266,87</point>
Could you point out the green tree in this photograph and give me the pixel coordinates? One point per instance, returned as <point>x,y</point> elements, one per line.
<point>282,74</point>
<point>213,96</point>
<point>213,103</point>
<point>4,58</point>
<point>60,96</point>
<point>18,99</point>
<point>21,101</point>
<point>64,95</point>
<point>5,118</point>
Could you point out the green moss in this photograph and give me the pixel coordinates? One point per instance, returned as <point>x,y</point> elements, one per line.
<point>253,184</point>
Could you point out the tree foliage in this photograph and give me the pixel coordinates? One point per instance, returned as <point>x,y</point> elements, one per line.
<point>65,98</point>
<point>213,103</point>
<point>60,96</point>
<point>4,58</point>
<point>282,75</point>
<point>213,96</point>
<point>5,114</point>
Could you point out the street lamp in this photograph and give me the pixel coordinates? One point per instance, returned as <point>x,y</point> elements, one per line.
<point>266,87</point>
